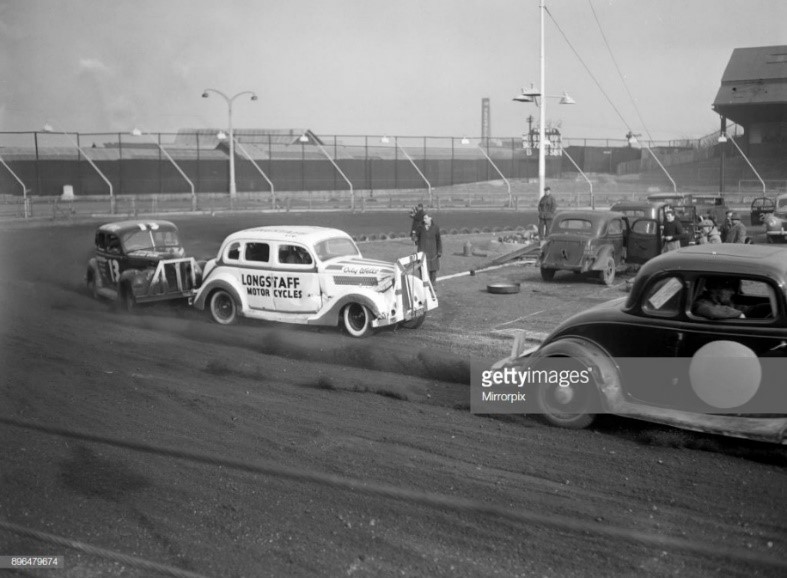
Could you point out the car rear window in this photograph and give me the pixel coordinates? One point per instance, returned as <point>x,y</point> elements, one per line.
<point>575,225</point>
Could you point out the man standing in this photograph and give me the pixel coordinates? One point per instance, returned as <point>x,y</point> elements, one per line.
<point>546,210</point>
<point>708,233</point>
<point>726,227</point>
<point>671,232</point>
<point>417,216</point>
<point>737,233</point>
<point>427,238</point>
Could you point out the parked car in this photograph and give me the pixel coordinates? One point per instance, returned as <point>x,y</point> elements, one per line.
<point>654,210</point>
<point>653,355</point>
<point>141,261</point>
<point>711,205</point>
<point>599,242</point>
<point>316,276</point>
<point>772,212</point>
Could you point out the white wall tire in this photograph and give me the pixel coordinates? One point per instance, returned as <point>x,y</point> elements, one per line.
<point>357,320</point>
<point>223,308</point>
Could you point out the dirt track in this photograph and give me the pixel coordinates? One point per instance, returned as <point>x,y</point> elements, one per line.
<point>359,442</point>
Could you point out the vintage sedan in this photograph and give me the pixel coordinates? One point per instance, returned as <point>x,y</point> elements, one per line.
<point>598,242</point>
<point>663,354</point>
<point>315,276</point>
<point>707,205</point>
<point>772,213</point>
<point>141,261</point>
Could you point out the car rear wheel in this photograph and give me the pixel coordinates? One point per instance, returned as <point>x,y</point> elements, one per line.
<point>547,274</point>
<point>357,320</point>
<point>607,274</point>
<point>223,309</point>
<point>415,322</point>
<point>569,407</point>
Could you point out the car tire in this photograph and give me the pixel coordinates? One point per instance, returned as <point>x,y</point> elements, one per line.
<point>357,320</point>
<point>566,407</point>
<point>547,274</point>
<point>607,274</point>
<point>92,285</point>
<point>223,308</point>
<point>503,288</point>
<point>126,299</point>
<point>414,323</point>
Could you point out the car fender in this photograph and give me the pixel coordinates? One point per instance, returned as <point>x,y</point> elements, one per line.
<point>92,270</point>
<point>331,314</point>
<point>601,257</point>
<point>218,283</point>
<point>605,372</point>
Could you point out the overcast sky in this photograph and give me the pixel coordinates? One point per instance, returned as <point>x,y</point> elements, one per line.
<point>396,67</point>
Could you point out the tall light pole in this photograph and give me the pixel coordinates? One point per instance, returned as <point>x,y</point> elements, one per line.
<point>531,95</point>
<point>229,100</point>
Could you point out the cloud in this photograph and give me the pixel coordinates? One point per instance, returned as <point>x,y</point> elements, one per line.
<point>93,64</point>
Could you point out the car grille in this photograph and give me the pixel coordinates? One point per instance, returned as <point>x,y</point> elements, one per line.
<point>353,280</point>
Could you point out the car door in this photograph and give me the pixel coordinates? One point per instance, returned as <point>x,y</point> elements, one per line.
<point>644,240</point>
<point>249,263</point>
<point>757,342</point>
<point>295,283</point>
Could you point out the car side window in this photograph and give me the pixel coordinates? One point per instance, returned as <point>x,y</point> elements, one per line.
<point>113,245</point>
<point>233,252</point>
<point>259,252</point>
<point>722,298</point>
<point>100,241</point>
<point>663,297</point>
<point>294,255</point>
<point>615,227</point>
<point>644,227</point>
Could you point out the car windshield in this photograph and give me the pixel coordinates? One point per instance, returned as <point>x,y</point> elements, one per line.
<point>581,226</point>
<point>335,247</point>
<point>150,240</point>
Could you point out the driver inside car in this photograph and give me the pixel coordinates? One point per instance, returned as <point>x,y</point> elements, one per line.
<point>717,301</point>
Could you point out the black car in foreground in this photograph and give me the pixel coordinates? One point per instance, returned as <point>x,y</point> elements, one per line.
<point>699,343</point>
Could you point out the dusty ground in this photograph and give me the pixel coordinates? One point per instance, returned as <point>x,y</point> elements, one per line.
<point>361,457</point>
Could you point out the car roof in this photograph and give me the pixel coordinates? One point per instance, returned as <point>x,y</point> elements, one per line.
<point>594,216</point>
<point>298,233</point>
<point>136,225</point>
<point>729,258</point>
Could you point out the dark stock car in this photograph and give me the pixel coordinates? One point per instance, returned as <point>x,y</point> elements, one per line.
<point>772,212</point>
<point>141,261</point>
<point>711,375</point>
<point>601,242</point>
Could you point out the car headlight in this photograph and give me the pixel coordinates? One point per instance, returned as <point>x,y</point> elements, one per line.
<point>384,283</point>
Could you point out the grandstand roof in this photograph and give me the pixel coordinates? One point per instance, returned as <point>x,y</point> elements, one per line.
<point>754,85</point>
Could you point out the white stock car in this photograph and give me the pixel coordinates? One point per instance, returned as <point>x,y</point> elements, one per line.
<point>315,276</point>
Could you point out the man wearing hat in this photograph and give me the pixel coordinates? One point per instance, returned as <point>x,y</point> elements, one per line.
<point>737,233</point>
<point>546,210</point>
<point>671,231</point>
<point>716,302</point>
<point>709,234</point>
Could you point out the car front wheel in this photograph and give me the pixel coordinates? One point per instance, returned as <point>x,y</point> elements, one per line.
<point>569,407</point>
<point>92,284</point>
<point>223,308</point>
<point>128,302</point>
<point>357,320</point>
<point>415,322</point>
<point>547,274</point>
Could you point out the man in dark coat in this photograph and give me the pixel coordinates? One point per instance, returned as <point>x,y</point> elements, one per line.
<point>546,211</point>
<point>737,233</point>
<point>671,232</point>
<point>427,238</point>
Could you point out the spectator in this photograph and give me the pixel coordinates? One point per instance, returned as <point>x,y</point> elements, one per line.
<point>417,215</point>
<point>546,211</point>
<point>737,233</point>
<point>709,234</point>
<point>671,232</point>
<point>726,227</point>
<point>427,239</point>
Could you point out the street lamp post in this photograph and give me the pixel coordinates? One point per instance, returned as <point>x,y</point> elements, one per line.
<point>532,95</point>
<point>229,100</point>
